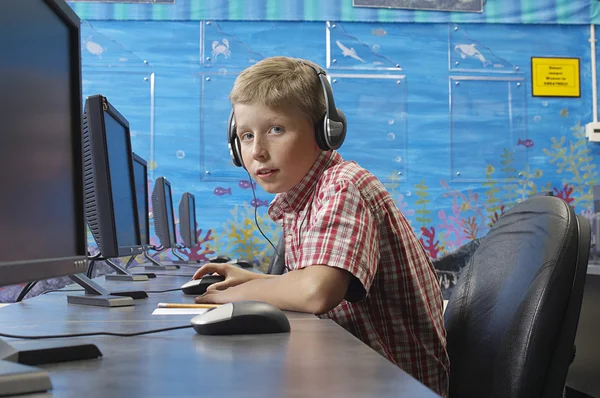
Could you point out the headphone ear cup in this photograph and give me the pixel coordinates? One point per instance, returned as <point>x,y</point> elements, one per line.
<point>336,141</point>
<point>320,135</point>
<point>231,139</point>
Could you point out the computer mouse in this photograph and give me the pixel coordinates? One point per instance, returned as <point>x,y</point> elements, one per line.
<point>219,259</point>
<point>198,286</point>
<point>242,317</point>
<point>244,263</point>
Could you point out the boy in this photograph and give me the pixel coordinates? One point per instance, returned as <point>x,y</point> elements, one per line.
<point>351,255</point>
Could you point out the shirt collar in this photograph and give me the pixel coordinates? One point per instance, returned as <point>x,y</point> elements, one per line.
<point>295,199</point>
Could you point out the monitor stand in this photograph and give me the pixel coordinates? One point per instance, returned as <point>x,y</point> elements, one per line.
<point>98,296</point>
<point>18,376</point>
<point>20,379</point>
<point>157,265</point>
<point>181,259</point>
<point>122,274</point>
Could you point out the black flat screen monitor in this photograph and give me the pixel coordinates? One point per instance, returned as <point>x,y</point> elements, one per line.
<point>163,214</point>
<point>110,205</point>
<point>187,220</point>
<point>140,173</point>
<point>41,206</point>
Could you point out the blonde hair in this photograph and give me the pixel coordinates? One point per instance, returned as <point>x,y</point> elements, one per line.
<point>281,80</point>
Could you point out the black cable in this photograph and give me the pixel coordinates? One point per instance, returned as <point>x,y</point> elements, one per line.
<point>256,209</point>
<point>156,248</point>
<point>190,265</point>
<point>82,290</point>
<point>130,261</point>
<point>26,289</point>
<point>90,269</point>
<point>163,291</point>
<point>96,256</point>
<point>60,290</point>
<point>61,336</point>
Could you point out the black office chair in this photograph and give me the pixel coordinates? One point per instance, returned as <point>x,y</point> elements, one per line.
<point>512,318</point>
<point>277,263</point>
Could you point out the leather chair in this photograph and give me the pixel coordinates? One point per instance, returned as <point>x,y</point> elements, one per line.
<point>277,263</point>
<point>512,317</point>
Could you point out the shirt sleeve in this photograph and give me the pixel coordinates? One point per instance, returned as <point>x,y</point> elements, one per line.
<point>343,234</point>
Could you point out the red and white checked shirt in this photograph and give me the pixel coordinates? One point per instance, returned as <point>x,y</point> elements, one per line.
<point>340,215</point>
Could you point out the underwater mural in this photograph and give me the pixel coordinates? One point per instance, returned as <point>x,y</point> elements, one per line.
<point>441,113</point>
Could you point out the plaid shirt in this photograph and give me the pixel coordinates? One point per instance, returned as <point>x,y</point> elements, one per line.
<point>340,215</point>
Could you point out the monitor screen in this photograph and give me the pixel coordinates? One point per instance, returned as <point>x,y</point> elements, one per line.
<point>141,192</point>
<point>170,213</point>
<point>119,157</point>
<point>41,206</point>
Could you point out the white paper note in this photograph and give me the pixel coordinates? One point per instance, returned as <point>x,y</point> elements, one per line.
<point>179,311</point>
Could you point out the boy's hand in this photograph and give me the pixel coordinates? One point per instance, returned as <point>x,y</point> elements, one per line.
<point>215,297</point>
<point>233,275</point>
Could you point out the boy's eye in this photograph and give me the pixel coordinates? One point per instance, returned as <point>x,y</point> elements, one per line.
<point>277,129</point>
<point>247,136</point>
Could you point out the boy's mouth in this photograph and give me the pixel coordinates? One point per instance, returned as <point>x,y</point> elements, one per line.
<point>265,173</point>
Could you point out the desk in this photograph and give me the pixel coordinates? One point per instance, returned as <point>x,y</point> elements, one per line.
<point>584,372</point>
<point>317,359</point>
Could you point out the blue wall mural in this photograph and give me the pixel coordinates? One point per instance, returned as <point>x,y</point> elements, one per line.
<point>442,113</point>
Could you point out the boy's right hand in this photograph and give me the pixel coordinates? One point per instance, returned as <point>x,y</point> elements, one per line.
<point>233,275</point>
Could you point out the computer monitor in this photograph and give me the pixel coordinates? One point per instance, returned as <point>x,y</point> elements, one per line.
<point>187,220</point>
<point>140,176</point>
<point>596,196</point>
<point>110,196</point>
<point>164,216</point>
<point>140,173</point>
<point>41,206</point>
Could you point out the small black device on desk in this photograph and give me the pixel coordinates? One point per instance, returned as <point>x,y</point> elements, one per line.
<point>219,259</point>
<point>242,317</point>
<point>199,286</point>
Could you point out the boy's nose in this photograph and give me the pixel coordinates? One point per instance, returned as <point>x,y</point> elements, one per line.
<point>259,151</point>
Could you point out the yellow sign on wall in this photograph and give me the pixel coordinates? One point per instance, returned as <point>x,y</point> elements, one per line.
<point>555,77</point>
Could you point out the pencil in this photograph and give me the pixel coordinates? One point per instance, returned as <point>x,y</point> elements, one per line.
<point>181,305</point>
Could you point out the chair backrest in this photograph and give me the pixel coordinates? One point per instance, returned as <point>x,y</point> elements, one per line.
<point>277,263</point>
<point>512,317</point>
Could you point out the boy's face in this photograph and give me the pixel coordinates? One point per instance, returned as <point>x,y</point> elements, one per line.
<point>278,144</point>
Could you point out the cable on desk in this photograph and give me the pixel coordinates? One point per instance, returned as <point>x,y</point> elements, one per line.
<point>61,291</point>
<point>61,336</point>
<point>163,291</point>
<point>83,290</point>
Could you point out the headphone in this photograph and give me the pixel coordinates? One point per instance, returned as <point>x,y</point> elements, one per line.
<point>330,130</point>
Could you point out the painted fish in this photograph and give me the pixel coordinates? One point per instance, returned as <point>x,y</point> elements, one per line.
<point>245,184</point>
<point>378,32</point>
<point>526,143</point>
<point>259,202</point>
<point>220,191</point>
